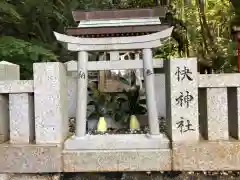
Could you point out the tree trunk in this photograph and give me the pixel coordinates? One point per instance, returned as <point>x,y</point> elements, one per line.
<point>204,26</point>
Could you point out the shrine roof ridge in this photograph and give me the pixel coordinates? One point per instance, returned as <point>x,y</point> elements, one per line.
<point>119,13</point>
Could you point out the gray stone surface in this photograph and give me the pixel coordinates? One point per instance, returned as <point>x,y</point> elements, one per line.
<point>4,176</point>
<point>16,86</point>
<point>82,93</point>
<point>182,99</point>
<point>50,95</point>
<point>217,114</point>
<point>120,160</point>
<point>21,110</point>
<point>186,156</point>
<point>72,94</point>
<point>117,142</point>
<point>150,92</point>
<point>8,71</point>
<point>206,156</point>
<point>35,177</point>
<point>160,94</point>
<point>219,80</point>
<point>30,158</point>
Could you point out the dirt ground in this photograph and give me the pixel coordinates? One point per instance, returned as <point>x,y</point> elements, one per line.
<point>154,176</point>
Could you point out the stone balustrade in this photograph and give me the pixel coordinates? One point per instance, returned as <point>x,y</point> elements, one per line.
<point>202,114</point>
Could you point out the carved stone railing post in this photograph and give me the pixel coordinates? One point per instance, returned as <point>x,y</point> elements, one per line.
<point>50,100</point>
<point>82,83</point>
<point>150,92</point>
<point>182,99</point>
<point>217,114</point>
<point>21,110</point>
<point>8,71</point>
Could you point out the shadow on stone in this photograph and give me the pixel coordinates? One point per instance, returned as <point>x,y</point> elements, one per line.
<point>153,176</point>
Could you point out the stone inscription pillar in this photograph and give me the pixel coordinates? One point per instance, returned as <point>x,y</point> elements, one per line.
<point>182,99</point>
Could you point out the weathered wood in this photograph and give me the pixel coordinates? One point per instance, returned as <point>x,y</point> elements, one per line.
<point>118,30</point>
<point>119,14</point>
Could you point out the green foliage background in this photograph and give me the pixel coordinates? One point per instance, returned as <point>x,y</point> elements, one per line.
<point>202,29</point>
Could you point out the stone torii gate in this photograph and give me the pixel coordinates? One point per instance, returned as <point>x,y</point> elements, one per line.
<point>84,45</point>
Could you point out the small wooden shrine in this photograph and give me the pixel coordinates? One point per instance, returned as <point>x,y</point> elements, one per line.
<point>141,46</point>
<point>116,23</point>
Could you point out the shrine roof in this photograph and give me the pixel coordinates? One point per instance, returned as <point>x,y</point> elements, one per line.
<point>120,13</point>
<point>116,30</point>
<point>114,23</point>
<point>152,40</point>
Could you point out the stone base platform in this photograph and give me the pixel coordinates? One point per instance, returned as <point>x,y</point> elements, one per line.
<point>117,161</point>
<point>2,139</point>
<point>206,156</point>
<point>185,156</point>
<point>30,158</point>
<point>117,142</point>
<point>30,177</point>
